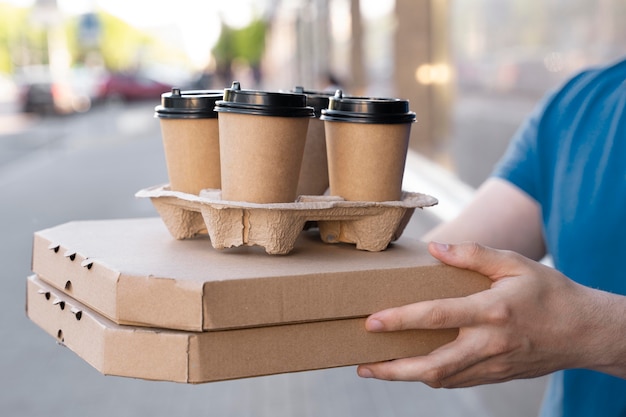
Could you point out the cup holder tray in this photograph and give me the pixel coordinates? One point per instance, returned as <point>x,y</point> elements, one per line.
<point>371,226</point>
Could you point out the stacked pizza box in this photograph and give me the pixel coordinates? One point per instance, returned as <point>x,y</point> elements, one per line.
<point>132,301</point>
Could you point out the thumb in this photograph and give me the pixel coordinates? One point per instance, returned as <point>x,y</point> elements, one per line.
<point>493,263</point>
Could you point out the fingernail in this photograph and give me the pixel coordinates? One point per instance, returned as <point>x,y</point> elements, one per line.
<point>374,325</point>
<point>364,372</point>
<point>441,247</point>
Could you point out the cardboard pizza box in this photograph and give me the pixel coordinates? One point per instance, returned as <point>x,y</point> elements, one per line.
<point>197,357</point>
<point>132,271</point>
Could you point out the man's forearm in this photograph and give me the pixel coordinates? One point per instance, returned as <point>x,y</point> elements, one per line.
<point>604,337</point>
<point>500,216</point>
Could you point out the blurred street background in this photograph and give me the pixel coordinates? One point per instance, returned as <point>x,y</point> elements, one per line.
<point>79,81</point>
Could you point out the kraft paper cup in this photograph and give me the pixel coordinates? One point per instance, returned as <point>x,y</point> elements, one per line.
<point>190,134</point>
<point>262,140</point>
<point>313,179</point>
<point>367,141</point>
<point>314,172</point>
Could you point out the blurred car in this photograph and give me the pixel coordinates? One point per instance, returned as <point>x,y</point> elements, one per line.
<point>131,87</point>
<point>43,91</point>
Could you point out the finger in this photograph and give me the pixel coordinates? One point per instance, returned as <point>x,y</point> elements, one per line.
<point>436,369</point>
<point>446,313</point>
<point>490,371</point>
<point>408,369</point>
<point>493,263</point>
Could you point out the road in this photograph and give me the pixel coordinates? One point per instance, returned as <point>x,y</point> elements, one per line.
<point>89,166</point>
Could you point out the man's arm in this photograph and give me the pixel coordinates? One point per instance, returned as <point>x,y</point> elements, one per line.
<point>531,322</point>
<point>500,216</point>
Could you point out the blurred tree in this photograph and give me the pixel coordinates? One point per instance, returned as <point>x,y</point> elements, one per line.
<point>224,53</point>
<point>21,43</point>
<point>246,44</point>
<point>121,45</point>
<point>11,19</point>
<point>24,42</point>
<point>249,42</point>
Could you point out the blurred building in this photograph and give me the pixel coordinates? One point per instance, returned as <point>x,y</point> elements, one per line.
<point>436,53</point>
<point>381,48</point>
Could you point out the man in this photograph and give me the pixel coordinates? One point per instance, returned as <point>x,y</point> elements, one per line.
<point>559,189</point>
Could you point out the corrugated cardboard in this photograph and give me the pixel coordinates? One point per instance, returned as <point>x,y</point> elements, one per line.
<point>190,357</point>
<point>133,272</point>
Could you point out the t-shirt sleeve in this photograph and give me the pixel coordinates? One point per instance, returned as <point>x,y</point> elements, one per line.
<point>534,141</point>
<point>519,164</point>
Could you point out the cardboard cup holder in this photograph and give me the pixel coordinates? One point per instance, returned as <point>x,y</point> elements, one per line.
<point>371,226</point>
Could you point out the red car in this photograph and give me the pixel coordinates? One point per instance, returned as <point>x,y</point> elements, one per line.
<point>131,87</point>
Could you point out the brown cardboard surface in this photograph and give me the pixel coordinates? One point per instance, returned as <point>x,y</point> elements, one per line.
<point>133,272</point>
<point>189,357</point>
<point>275,227</point>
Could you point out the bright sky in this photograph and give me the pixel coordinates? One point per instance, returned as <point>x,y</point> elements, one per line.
<point>151,13</point>
<point>197,20</point>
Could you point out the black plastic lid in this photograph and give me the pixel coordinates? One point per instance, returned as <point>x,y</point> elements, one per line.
<point>191,104</point>
<point>263,103</point>
<point>316,99</point>
<point>367,110</point>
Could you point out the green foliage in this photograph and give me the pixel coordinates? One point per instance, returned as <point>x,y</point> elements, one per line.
<point>12,39</point>
<point>121,45</point>
<point>224,49</point>
<point>250,42</point>
<point>247,43</point>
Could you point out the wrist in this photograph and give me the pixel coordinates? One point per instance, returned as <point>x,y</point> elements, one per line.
<point>604,332</point>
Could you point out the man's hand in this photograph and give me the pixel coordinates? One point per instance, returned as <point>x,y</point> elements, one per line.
<point>532,321</point>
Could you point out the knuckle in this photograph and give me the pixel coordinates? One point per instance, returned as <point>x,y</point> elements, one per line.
<point>474,248</point>
<point>434,376</point>
<point>515,257</point>
<point>400,323</point>
<point>500,346</point>
<point>500,368</point>
<point>499,314</point>
<point>438,317</point>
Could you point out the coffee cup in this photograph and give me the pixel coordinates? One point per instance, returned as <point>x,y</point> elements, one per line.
<point>262,140</point>
<point>314,172</point>
<point>190,134</point>
<point>367,140</point>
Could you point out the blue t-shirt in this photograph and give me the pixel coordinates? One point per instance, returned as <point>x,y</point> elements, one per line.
<point>570,156</point>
